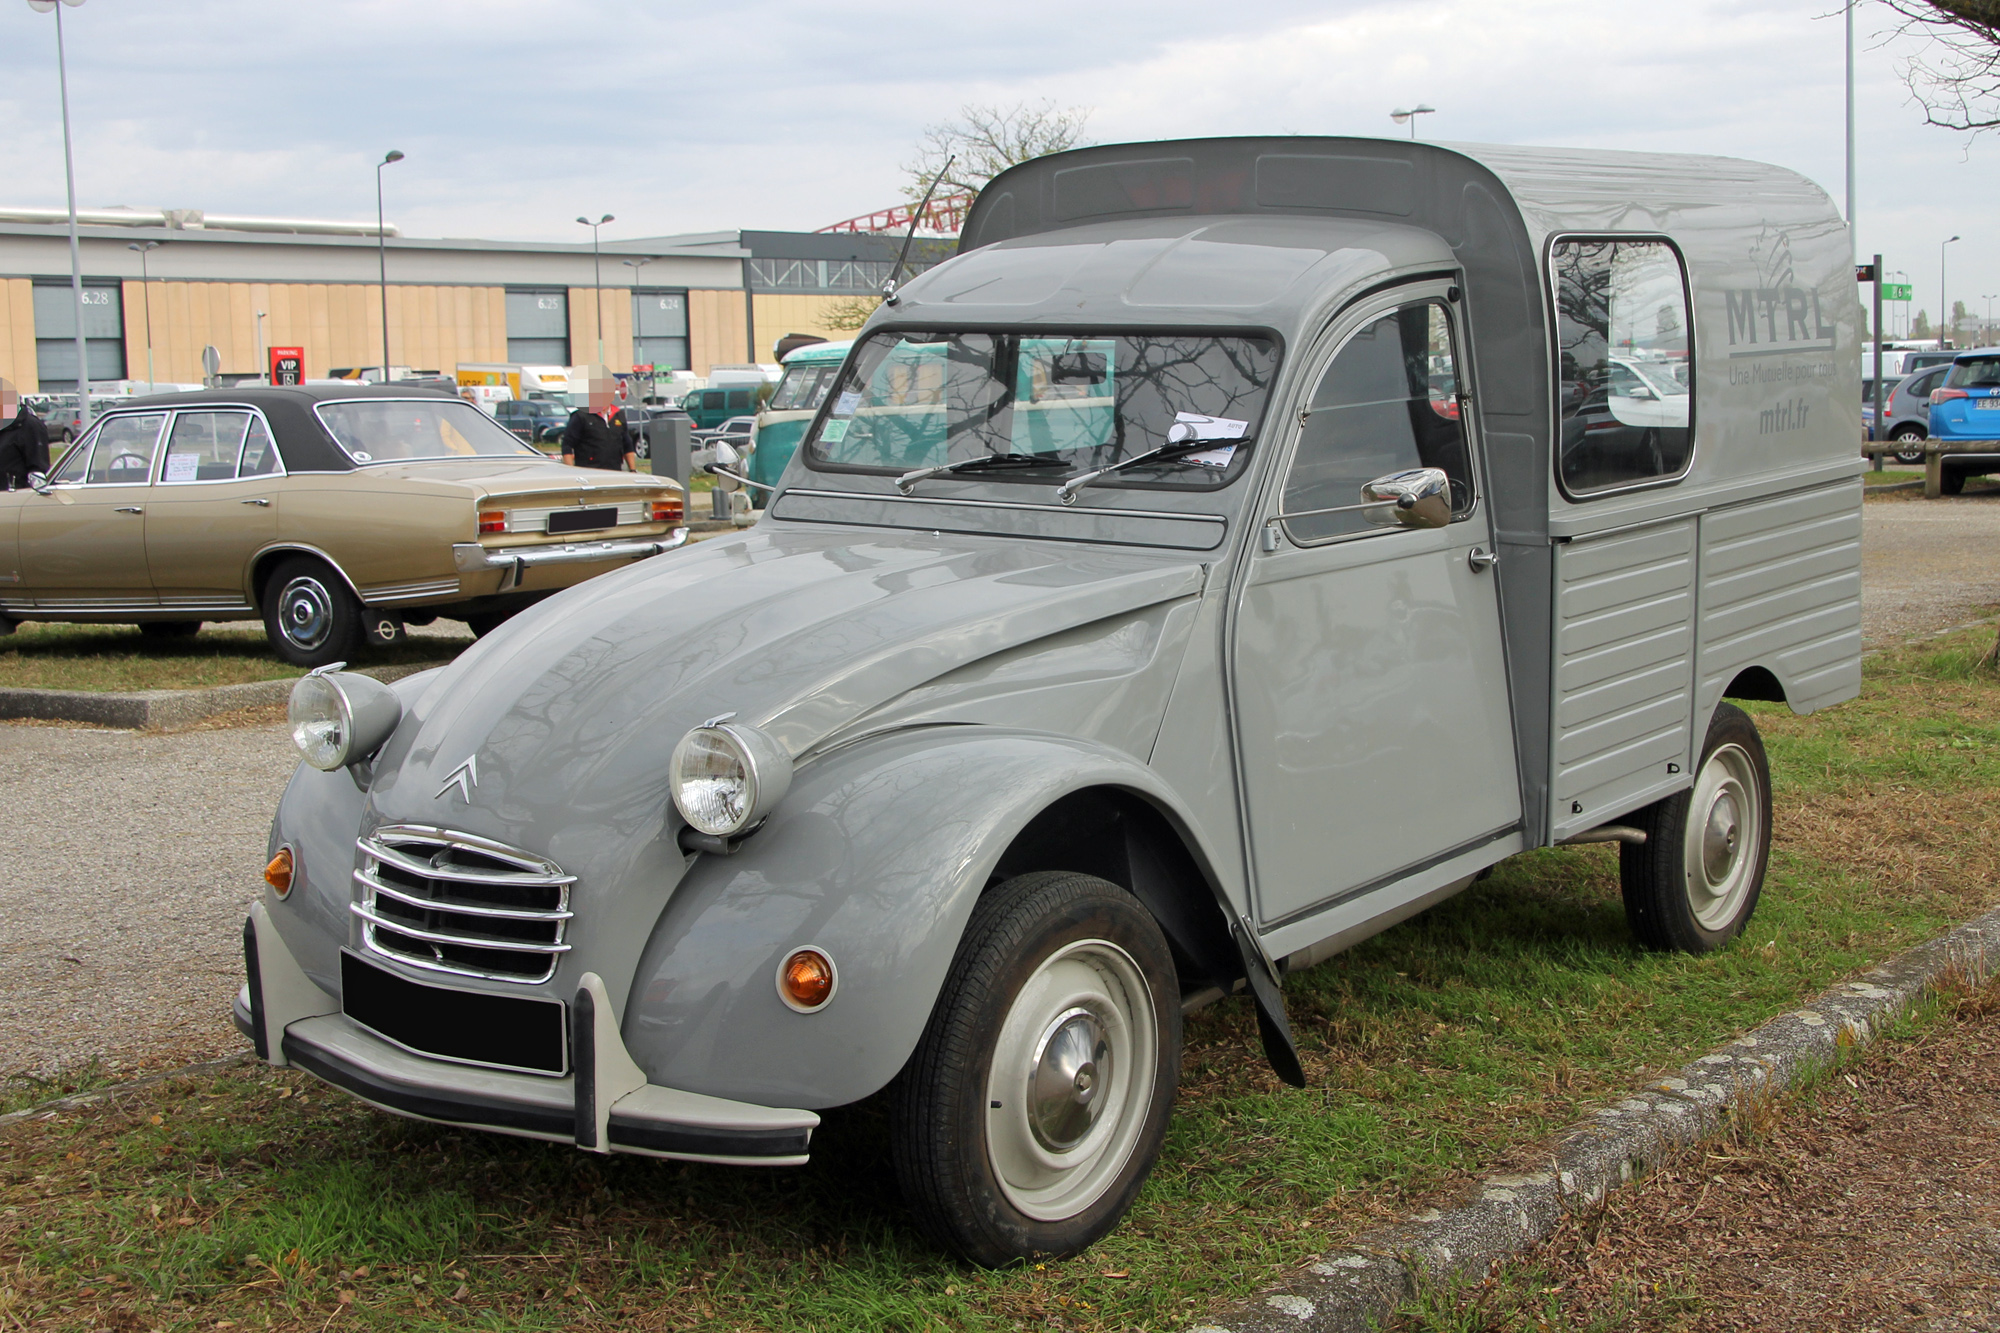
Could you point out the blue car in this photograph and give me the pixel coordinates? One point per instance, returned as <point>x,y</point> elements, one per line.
<point>1966,407</point>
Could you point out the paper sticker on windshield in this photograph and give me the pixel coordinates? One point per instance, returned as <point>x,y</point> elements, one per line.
<point>1211,428</point>
<point>183,467</point>
<point>844,405</point>
<point>835,432</point>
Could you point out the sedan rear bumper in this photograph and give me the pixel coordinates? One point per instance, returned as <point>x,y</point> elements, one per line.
<point>472,558</point>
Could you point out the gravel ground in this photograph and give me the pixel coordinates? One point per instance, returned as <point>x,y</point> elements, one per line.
<point>1874,1205</point>
<point>122,897</point>
<point>1927,564</point>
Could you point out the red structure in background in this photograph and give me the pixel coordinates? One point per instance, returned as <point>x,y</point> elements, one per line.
<point>945,216</point>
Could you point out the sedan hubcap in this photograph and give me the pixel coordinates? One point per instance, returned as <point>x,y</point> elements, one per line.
<point>306,613</point>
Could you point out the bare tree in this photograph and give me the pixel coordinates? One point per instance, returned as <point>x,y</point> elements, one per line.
<point>986,140</point>
<point>1957,78</point>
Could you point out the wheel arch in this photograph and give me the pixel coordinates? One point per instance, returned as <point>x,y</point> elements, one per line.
<point>271,557</point>
<point>1758,683</point>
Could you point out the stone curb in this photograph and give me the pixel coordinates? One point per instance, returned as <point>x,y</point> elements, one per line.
<point>164,710</point>
<point>1360,1288</point>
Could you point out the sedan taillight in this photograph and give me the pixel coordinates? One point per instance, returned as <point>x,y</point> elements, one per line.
<point>492,520</point>
<point>1946,395</point>
<point>668,510</point>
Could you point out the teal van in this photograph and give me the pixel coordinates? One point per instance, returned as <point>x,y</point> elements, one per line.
<point>809,373</point>
<point>711,407</point>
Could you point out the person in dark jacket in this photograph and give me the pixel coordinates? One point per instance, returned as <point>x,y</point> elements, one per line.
<point>24,440</point>
<point>597,435</point>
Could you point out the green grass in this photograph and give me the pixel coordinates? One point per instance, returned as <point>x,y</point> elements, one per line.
<point>1437,1050</point>
<point>1887,475</point>
<point>117,657</point>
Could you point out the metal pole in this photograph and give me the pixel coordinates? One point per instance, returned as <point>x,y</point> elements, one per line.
<point>1852,243</point>
<point>1880,426</point>
<point>1944,297</point>
<point>75,257</point>
<point>597,277</point>
<point>382,254</point>
<point>749,317</point>
<point>146,300</point>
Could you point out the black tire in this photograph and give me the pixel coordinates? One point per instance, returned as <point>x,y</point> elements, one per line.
<point>169,629</point>
<point>482,626</point>
<point>1693,884</point>
<point>984,1170</point>
<point>1952,482</point>
<point>310,615</point>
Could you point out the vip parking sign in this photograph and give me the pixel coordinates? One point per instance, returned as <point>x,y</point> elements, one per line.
<point>288,365</point>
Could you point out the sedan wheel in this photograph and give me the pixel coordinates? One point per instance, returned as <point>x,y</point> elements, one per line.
<point>310,616</point>
<point>1911,444</point>
<point>1035,1104</point>
<point>1694,882</point>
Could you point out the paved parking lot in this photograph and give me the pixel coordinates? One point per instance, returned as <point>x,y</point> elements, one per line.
<point>131,856</point>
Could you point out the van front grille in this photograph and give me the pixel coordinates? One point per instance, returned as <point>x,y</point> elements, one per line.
<point>456,902</point>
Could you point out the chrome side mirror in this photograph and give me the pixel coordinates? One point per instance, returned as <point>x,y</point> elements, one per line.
<point>40,482</point>
<point>1421,496</point>
<point>726,456</point>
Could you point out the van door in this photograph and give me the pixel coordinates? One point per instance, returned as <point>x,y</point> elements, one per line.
<point>1370,686</point>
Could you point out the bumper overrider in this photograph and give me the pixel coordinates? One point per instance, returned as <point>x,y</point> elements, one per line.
<point>472,558</point>
<point>603,1104</point>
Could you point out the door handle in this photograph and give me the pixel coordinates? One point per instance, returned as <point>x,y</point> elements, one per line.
<point>1481,559</point>
<point>265,503</point>
<point>129,509</point>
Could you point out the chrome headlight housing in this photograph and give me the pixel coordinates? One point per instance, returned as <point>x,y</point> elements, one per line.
<point>726,776</point>
<point>340,718</point>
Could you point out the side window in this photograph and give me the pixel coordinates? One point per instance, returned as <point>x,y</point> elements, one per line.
<point>204,446</point>
<point>739,400</point>
<point>69,465</point>
<point>1625,377</point>
<point>260,455</point>
<point>123,453</point>
<point>1387,403</point>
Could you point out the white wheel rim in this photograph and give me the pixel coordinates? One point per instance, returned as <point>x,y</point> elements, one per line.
<point>1071,1081</point>
<point>1724,830</point>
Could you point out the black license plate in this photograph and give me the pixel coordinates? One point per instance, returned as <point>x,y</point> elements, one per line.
<point>506,1031</point>
<point>583,520</point>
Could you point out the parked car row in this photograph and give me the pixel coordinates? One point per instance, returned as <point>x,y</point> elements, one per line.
<point>333,514</point>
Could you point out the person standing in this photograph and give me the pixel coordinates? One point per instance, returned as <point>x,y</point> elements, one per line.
<point>597,435</point>
<point>24,440</point>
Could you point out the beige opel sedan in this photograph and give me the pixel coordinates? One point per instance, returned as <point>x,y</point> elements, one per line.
<point>335,515</point>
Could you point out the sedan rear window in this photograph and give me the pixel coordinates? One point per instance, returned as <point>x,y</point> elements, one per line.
<point>400,429</point>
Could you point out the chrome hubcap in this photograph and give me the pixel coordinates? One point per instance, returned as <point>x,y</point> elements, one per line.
<point>305,612</point>
<point>1074,1062</point>
<point>1725,826</point>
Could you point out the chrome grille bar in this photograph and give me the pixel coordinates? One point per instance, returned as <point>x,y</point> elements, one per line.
<point>460,893</point>
<point>456,906</point>
<point>461,874</point>
<point>439,937</point>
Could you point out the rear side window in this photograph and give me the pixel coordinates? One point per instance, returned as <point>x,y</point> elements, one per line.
<point>1625,378</point>
<point>1981,374</point>
<point>739,400</point>
<point>204,446</point>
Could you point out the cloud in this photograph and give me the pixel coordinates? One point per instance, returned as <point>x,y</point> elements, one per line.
<point>519,114</point>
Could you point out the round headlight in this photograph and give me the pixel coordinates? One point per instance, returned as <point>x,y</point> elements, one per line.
<point>725,778</point>
<point>339,718</point>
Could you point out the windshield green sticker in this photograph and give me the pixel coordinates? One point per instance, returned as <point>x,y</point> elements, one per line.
<point>835,432</point>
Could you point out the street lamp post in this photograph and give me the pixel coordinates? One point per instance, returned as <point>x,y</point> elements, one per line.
<point>597,277</point>
<point>1944,299</point>
<point>1408,116</point>
<point>635,265</point>
<point>146,303</point>
<point>69,175</point>
<point>382,254</point>
<point>262,359</point>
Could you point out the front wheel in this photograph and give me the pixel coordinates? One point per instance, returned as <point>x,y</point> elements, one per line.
<point>1692,885</point>
<point>1035,1104</point>
<point>1911,442</point>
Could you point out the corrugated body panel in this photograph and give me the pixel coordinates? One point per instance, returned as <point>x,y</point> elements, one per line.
<point>1781,588</point>
<point>1623,670</point>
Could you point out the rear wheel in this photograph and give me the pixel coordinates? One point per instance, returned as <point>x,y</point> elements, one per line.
<point>1910,442</point>
<point>1694,882</point>
<point>310,616</point>
<point>1035,1104</point>
<point>169,629</point>
<point>482,626</point>
<point>1952,481</point>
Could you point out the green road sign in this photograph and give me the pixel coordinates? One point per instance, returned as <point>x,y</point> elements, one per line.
<point>1895,291</point>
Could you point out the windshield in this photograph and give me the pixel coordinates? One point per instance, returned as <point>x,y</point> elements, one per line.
<point>398,429</point>
<point>1981,374</point>
<point>1080,402</point>
<point>804,387</point>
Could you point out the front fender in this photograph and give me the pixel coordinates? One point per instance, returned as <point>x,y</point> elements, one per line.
<point>876,855</point>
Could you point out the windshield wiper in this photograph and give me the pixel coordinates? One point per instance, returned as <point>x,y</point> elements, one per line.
<point>1182,440</point>
<point>989,463</point>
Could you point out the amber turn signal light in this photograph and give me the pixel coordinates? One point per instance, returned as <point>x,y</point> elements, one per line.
<point>667,511</point>
<point>806,980</point>
<point>278,874</point>
<point>492,520</point>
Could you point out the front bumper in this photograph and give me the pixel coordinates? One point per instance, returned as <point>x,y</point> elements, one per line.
<point>604,1105</point>
<point>472,558</point>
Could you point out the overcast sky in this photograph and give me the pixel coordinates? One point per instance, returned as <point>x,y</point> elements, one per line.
<point>773,114</point>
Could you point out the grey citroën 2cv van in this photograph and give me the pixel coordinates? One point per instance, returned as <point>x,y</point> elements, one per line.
<point>1235,549</point>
